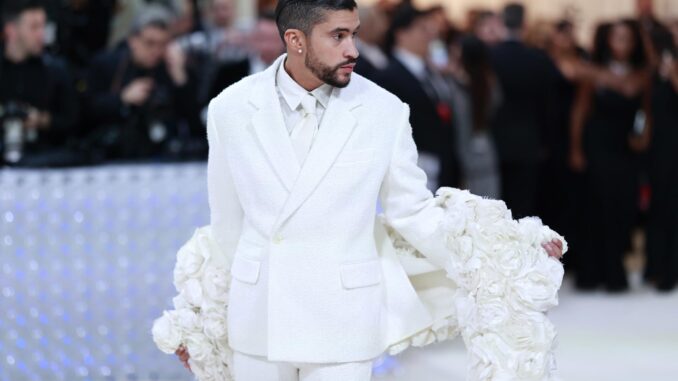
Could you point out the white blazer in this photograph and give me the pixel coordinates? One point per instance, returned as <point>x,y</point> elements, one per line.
<point>308,283</point>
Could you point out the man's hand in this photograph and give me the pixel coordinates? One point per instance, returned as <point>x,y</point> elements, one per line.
<point>577,160</point>
<point>554,248</point>
<point>175,58</point>
<point>137,92</point>
<point>182,352</point>
<point>37,119</point>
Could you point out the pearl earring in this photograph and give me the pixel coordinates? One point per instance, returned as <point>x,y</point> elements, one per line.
<point>300,51</point>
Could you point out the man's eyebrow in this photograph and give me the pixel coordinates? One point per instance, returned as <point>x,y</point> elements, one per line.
<point>340,30</point>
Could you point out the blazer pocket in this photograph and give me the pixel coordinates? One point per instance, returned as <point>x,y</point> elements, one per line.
<point>348,158</point>
<point>245,269</point>
<point>361,274</point>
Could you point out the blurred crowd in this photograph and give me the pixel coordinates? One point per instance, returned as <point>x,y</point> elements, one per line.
<point>582,133</point>
<point>86,82</point>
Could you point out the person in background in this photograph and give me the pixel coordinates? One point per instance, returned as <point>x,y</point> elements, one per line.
<point>662,228</point>
<point>610,126</point>
<point>475,97</point>
<point>83,29</point>
<point>264,47</point>
<point>488,27</point>
<point>219,44</point>
<point>372,34</point>
<point>650,30</point>
<point>410,77</point>
<point>521,122</point>
<point>141,98</point>
<point>438,57</point>
<point>562,197</point>
<point>38,106</point>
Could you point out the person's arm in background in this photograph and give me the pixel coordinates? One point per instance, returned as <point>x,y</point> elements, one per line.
<point>63,109</point>
<point>183,82</point>
<point>105,105</point>
<point>669,71</point>
<point>641,142</point>
<point>580,113</point>
<point>628,85</point>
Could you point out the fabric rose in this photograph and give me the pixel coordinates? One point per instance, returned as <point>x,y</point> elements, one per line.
<point>215,325</point>
<point>166,334</point>
<point>190,260</point>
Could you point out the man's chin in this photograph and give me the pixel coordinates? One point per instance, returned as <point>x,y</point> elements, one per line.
<point>342,81</point>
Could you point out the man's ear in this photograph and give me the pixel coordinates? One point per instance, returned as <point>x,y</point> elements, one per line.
<point>295,40</point>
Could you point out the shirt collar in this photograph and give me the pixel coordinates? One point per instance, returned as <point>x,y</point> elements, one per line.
<point>412,62</point>
<point>292,92</point>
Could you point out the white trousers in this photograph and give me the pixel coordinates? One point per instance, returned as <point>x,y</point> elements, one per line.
<point>256,368</point>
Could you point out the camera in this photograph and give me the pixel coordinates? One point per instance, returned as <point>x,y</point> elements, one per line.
<point>12,118</point>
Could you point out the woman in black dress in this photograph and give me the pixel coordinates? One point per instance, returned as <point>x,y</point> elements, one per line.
<point>662,230</point>
<point>608,131</point>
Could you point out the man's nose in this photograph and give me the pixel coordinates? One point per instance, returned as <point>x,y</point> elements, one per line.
<point>352,51</point>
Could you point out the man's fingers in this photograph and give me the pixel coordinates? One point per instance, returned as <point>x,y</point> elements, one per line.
<point>548,248</point>
<point>558,243</point>
<point>552,250</point>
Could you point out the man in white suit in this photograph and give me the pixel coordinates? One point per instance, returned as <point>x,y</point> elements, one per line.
<point>299,156</point>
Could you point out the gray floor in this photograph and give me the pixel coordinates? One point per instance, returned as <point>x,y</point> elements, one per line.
<point>630,337</point>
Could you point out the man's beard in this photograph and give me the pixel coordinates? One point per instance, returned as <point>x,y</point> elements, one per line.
<point>325,73</point>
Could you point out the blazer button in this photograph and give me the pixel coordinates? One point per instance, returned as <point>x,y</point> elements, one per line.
<point>278,239</point>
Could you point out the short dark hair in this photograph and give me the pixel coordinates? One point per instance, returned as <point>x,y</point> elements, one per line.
<point>514,16</point>
<point>156,16</point>
<point>602,52</point>
<point>305,14</point>
<point>404,16</point>
<point>12,10</point>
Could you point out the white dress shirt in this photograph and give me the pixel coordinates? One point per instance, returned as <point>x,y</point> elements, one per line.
<point>290,94</point>
<point>415,64</point>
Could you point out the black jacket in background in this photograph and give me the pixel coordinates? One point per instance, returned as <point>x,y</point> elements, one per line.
<point>520,125</point>
<point>365,68</point>
<point>431,134</point>
<point>125,128</point>
<point>228,74</point>
<point>44,83</point>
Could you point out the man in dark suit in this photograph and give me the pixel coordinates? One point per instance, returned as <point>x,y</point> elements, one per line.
<point>373,29</point>
<point>410,77</point>
<point>525,76</point>
<point>38,106</point>
<point>265,47</point>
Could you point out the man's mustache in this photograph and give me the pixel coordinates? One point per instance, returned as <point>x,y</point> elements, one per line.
<point>349,62</point>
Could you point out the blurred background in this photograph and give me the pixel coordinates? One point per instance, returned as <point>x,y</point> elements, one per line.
<point>565,109</point>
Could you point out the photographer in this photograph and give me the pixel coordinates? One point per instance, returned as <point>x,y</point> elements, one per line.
<point>38,107</point>
<point>141,98</point>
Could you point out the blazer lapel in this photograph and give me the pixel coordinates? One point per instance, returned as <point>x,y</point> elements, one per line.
<point>337,125</point>
<point>270,129</point>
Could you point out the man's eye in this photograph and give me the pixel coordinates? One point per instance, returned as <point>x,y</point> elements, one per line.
<point>338,37</point>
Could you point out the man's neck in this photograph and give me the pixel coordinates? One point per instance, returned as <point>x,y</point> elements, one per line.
<point>15,54</point>
<point>300,74</point>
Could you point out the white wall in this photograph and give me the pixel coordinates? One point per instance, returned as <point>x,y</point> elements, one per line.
<point>588,12</point>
